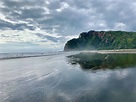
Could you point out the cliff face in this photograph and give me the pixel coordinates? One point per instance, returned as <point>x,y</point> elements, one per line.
<point>102,40</point>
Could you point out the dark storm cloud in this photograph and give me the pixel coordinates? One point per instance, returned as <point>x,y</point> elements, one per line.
<point>117,11</point>
<point>70,17</point>
<point>53,39</point>
<point>34,13</point>
<point>23,10</point>
<point>20,3</point>
<point>92,14</point>
<point>5,25</point>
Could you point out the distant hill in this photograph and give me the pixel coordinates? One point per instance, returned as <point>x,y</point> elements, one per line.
<point>102,40</point>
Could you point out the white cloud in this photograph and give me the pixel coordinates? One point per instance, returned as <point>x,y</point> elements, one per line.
<point>28,36</point>
<point>47,2</point>
<point>63,5</point>
<point>120,26</point>
<point>3,17</point>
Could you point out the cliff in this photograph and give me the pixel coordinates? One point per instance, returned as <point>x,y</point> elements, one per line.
<point>102,40</point>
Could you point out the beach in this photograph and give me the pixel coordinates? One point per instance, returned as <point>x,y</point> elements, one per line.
<point>55,79</point>
<point>112,51</point>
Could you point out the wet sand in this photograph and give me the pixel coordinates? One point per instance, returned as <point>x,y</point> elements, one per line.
<point>113,51</point>
<point>55,79</point>
<point>118,51</point>
<point>32,79</point>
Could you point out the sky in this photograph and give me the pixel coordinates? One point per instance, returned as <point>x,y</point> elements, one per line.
<point>46,25</point>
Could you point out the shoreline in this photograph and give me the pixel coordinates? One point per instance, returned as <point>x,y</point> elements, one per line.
<point>118,51</point>
<point>127,51</point>
<point>20,57</point>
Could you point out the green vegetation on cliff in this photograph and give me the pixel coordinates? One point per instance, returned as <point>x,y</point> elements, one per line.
<point>102,40</point>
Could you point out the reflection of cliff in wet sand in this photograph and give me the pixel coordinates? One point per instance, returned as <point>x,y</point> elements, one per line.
<point>103,61</point>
